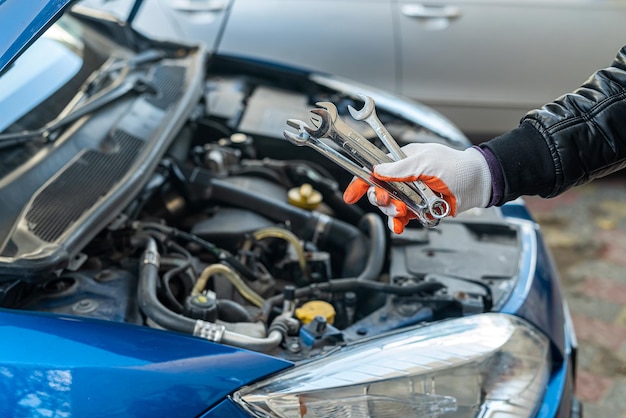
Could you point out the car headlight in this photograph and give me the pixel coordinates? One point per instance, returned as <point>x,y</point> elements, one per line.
<point>484,365</point>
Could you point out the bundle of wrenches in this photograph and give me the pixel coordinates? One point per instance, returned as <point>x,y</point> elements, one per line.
<point>358,156</point>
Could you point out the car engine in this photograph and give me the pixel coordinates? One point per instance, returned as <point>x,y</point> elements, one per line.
<point>244,239</point>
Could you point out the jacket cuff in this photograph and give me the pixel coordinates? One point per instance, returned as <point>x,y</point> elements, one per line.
<point>497,179</point>
<point>525,162</point>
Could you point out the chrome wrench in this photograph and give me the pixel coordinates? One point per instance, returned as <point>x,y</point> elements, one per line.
<point>362,151</point>
<point>437,206</point>
<point>366,153</point>
<point>342,134</point>
<point>346,137</point>
<point>304,138</point>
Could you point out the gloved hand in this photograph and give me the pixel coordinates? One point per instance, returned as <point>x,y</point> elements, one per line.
<point>462,178</point>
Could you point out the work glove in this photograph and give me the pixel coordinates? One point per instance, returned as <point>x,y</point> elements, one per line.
<point>462,178</point>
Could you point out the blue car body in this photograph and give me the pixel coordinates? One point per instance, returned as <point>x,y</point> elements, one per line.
<point>55,364</point>
<point>22,25</point>
<point>64,366</point>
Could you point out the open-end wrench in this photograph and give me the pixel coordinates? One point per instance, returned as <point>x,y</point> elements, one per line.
<point>304,138</point>
<point>347,135</point>
<point>368,114</point>
<point>362,151</point>
<point>437,206</point>
<point>368,154</point>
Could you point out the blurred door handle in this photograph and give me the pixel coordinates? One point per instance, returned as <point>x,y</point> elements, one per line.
<point>420,11</point>
<point>199,5</point>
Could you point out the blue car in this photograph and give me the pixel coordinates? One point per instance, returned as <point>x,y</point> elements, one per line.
<point>164,251</point>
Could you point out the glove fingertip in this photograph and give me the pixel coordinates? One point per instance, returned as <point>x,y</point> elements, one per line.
<point>382,197</point>
<point>401,208</point>
<point>355,190</point>
<point>398,225</point>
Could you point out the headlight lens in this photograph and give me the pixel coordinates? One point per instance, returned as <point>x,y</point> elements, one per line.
<point>487,365</point>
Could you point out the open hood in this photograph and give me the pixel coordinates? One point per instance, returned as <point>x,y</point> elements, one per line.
<point>186,21</point>
<point>195,21</point>
<point>23,22</point>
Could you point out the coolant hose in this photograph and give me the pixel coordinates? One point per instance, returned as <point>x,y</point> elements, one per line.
<point>317,228</point>
<point>147,293</point>
<point>282,233</point>
<point>376,253</point>
<point>348,284</point>
<point>233,277</point>
<point>153,309</point>
<point>253,343</point>
<point>231,311</point>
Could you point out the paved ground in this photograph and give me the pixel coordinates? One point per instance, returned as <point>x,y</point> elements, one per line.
<point>586,231</point>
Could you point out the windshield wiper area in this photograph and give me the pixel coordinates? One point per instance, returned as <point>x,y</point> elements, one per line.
<point>123,85</point>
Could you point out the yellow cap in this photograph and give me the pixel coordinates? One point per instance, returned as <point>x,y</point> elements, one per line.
<point>305,197</point>
<point>313,308</point>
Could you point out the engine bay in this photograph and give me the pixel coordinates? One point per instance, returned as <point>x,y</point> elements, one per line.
<point>241,238</point>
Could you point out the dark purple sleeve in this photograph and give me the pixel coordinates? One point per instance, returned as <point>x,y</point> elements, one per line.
<point>497,179</point>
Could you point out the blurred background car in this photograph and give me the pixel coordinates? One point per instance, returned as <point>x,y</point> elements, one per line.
<point>481,64</point>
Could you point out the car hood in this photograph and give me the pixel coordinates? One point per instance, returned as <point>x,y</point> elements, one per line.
<point>23,22</point>
<point>185,21</point>
<point>200,22</point>
<point>71,369</point>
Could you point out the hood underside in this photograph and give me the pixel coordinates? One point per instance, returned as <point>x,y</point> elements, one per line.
<point>23,22</point>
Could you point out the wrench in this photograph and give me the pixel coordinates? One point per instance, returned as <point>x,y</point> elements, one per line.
<point>342,133</point>
<point>304,138</point>
<point>368,154</point>
<point>348,135</point>
<point>368,115</point>
<point>437,206</point>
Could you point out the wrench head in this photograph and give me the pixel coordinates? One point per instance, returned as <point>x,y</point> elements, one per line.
<point>323,128</point>
<point>330,108</point>
<point>294,139</point>
<point>367,109</point>
<point>439,209</point>
<point>301,137</point>
<point>296,124</point>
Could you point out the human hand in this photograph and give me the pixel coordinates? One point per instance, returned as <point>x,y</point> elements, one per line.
<point>462,178</point>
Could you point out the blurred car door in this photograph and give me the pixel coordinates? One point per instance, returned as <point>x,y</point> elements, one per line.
<point>484,63</point>
<point>481,63</point>
<point>350,38</point>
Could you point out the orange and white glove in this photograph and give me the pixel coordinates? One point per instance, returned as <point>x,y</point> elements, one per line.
<point>462,178</point>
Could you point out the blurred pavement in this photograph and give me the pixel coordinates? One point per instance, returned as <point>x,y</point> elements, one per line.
<point>585,229</point>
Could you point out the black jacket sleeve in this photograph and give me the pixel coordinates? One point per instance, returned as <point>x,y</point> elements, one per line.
<point>575,139</point>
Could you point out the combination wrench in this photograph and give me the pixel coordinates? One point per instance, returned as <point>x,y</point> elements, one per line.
<point>399,191</point>
<point>369,155</point>
<point>437,206</point>
<point>360,149</point>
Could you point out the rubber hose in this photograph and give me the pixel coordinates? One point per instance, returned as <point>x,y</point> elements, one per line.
<point>335,232</point>
<point>153,309</point>
<point>147,296</point>
<point>253,343</point>
<point>375,228</point>
<point>284,234</point>
<point>344,285</point>
<point>233,277</point>
<point>231,311</point>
